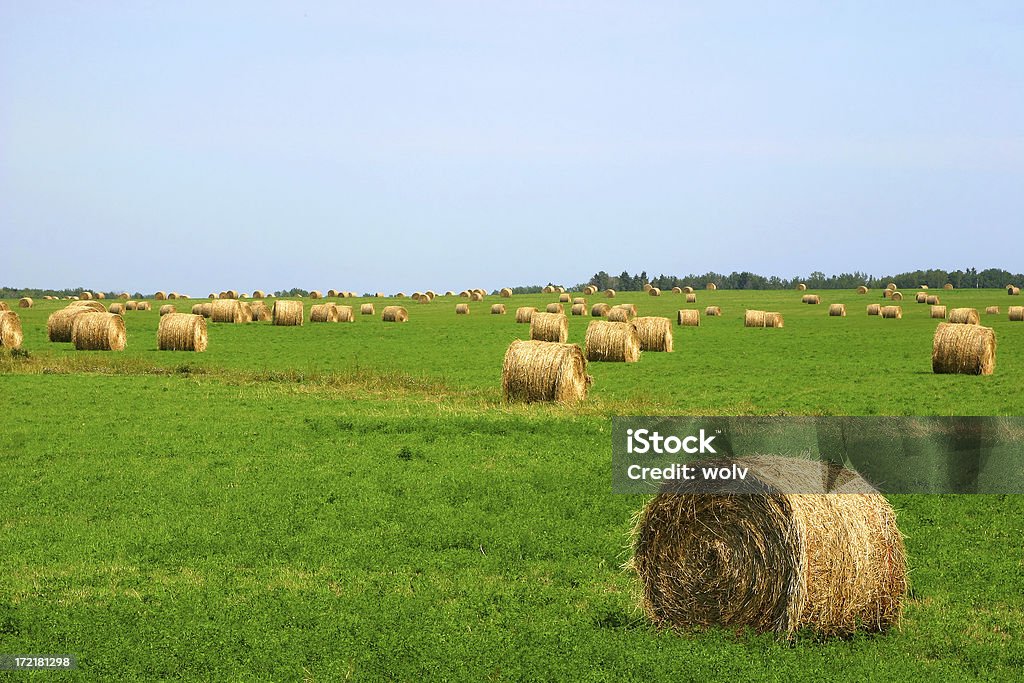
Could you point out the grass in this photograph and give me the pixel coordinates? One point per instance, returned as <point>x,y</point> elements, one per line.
<point>354,502</point>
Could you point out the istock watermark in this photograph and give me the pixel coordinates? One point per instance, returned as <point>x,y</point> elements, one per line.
<point>892,454</point>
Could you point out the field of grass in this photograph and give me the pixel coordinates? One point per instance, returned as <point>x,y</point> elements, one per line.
<point>354,501</point>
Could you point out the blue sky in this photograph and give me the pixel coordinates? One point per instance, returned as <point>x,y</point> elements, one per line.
<point>445,145</point>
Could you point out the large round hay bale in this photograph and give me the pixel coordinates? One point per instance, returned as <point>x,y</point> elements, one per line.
<point>100,295</point>
<point>713,311</point>
<point>677,290</point>
<point>891,286</point>
<point>874,309</point>
<point>1016,313</point>
<point>691,298</point>
<point>182,332</point>
<point>786,557</point>
<point>432,294</point>
<point>932,300</point>
<point>461,309</point>
<point>346,314</point>
<point>711,286</point>
<point>938,312</point>
<point>810,299</point>
<point>579,309</point>
<point>862,290</point>
<point>323,313</point>
<point>548,290</point>
<point>11,335</point>
<point>316,294</point>
<point>599,310</point>
<point>611,342</point>
<point>647,287</point>
<point>288,313</point>
<point>87,296</point>
<point>415,296</point>
<point>619,314</point>
<point>367,309</point>
<point>258,294</point>
<point>752,318</point>
<point>895,312</point>
<point>579,300</point>
<point>98,332</point>
<point>688,317</point>
<point>207,311</point>
<point>246,309</point>
<point>549,327</point>
<point>837,310</point>
<point>260,311</point>
<point>25,302</point>
<point>144,306</point>
<point>160,296</point>
<point>117,308</point>
<point>331,294</point>
<point>525,313</point>
<point>197,309</point>
<point>1011,290</point>
<point>231,294</point>
<point>94,305</point>
<point>948,286</point>
<point>167,309</point>
<point>610,293</point>
<point>131,306</point>
<point>564,298</point>
<point>498,309</point>
<point>401,295</point>
<point>921,297</point>
<point>688,289</point>
<point>60,323</point>
<point>992,310</point>
<point>476,296</point>
<point>555,308</point>
<point>964,316</point>
<point>655,333</point>
<point>505,292</point>
<point>394,314</point>
<point>589,290</point>
<point>801,287</point>
<point>654,291</point>
<point>886,293</point>
<point>464,294</point>
<point>124,295</point>
<point>963,349</point>
<point>542,371</point>
<point>226,311</point>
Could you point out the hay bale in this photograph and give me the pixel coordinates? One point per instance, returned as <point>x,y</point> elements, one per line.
<point>938,312</point>
<point>964,316</point>
<point>801,287</point>
<point>167,309</point>
<point>548,290</point>
<point>874,309</point>
<point>891,286</point>
<point>144,306</point>
<point>208,310</point>
<point>525,313</point>
<point>963,349</point>
<point>1016,313</point>
<point>886,293</point>
<point>897,296</point>
<point>431,293</point>
<point>555,308</point>
<point>599,310</point>
<point>416,296</point>
<point>367,309</point>
<point>346,314</point>
<point>60,323</point>
<point>86,296</point>
<point>992,310</point>
<point>505,292</point>
<point>688,290</point>
<point>117,308</point>
<point>549,327</point>
<point>11,335</point>
<point>131,306</point>
<point>476,296</point>
<point>259,310</point>
<point>752,318</point>
<point>713,311</point>
<point>564,298</point>
<point>316,294</point>
<point>182,332</point>
<point>810,299</point>
<point>612,342</point>
<point>677,290</point>
<point>656,333</point>
<point>542,371</point>
<point>948,286</point>
<point>922,287</point>
<point>323,313</point>
<point>862,290</point>
<point>98,332</point>
<point>688,317</point>
<point>773,561</point>
<point>331,294</point>
<point>1012,291</point>
<point>100,295</point>
<point>498,309</point>
<point>461,309</point>
<point>921,297</point>
<point>401,295</point>
<point>837,310</point>
<point>610,293</point>
<point>711,286</point>
<point>579,309</point>
<point>691,298</point>
<point>226,311</point>
<point>895,312</point>
<point>231,294</point>
<point>618,314</point>
<point>464,294</point>
<point>394,314</point>
<point>258,294</point>
<point>197,309</point>
<point>579,300</point>
<point>124,295</point>
<point>160,296</point>
<point>589,290</point>
<point>932,300</point>
<point>647,287</point>
<point>288,313</point>
<point>25,302</point>
<point>654,291</point>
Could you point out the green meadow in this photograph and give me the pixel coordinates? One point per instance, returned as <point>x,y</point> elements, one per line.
<point>355,502</point>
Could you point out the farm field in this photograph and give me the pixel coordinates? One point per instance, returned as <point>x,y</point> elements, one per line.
<point>355,501</point>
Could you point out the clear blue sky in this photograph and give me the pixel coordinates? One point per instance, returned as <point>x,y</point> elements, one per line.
<point>445,145</point>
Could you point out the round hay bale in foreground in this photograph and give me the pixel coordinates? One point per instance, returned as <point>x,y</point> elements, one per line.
<point>772,561</point>
<point>367,309</point>
<point>810,299</point>
<point>837,310</point>
<point>288,313</point>
<point>612,342</point>
<point>131,306</point>
<point>654,291</point>
<point>564,298</point>
<point>394,314</point>
<point>226,311</point>
<point>992,310</point>
<point>11,335</point>
<point>656,333</point>
<point>921,297</point>
<point>117,308</point>
<point>555,308</point>
<point>713,311</point>
<point>579,309</point>
<point>182,332</point>
<point>98,332</point>
<point>801,287</point>
<point>498,309</point>
<point>259,310</point>
<point>895,312</point>
<point>938,312</point>
<point>549,327</point>
<point>542,371</point>
<point>1016,313</point>
<point>25,302</point>
<point>461,309</point>
<point>688,317</point>
<point>874,309</point>
<point>505,292</point>
<point>167,309</point>
<point>323,313</point>
<point>610,293</point>
<point>897,296</point>
<point>862,290</point>
<point>525,313</point>
<point>60,323</point>
<point>964,316</point>
<point>948,286</point>
<point>599,310</point>
<point>963,349</point>
<point>345,314</point>
<point>932,300</point>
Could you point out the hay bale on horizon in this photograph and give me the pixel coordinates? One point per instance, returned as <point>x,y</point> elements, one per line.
<point>461,309</point>
<point>25,302</point>
<point>498,309</point>
<point>525,313</point>
<point>801,287</point>
<point>688,289</point>
<point>549,327</point>
<point>837,310</point>
<point>611,342</point>
<point>159,296</point>
<point>713,311</point>
<point>323,313</point>
<point>777,560</point>
<point>1016,313</point>
<point>555,308</point>
<point>315,294</point>
<point>688,317</point>
<point>891,286</point>
<point>476,296</point>
<point>86,296</point>
<point>288,313</point>
<point>964,316</point>
<point>548,289</point>
<point>948,286</point>
<point>182,332</point>
<point>394,314</point>
<point>862,290</point>
<point>874,309</point>
<point>167,309</point>
<point>932,300</point>
<point>505,292</point>
<point>711,286</point>
<point>938,312</point>
<point>258,294</point>
<point>599,310</point>
<point>610,293</point>
<point>98,332</point>
<point>894,312</point>
<point>963,349</point>
<point>60,323</point>
<point>367,309</point>
<point>655,333</point>
<point>125,295</point>
<point>100,295</point>
<point>542,371</point>
<point>579,309</point>
<point>230,294</point>
<point>331,294</point>
<point>691,298</point>
<point>11,335</point>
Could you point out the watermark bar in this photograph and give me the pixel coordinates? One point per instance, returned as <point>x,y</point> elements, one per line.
<point>37,662</point>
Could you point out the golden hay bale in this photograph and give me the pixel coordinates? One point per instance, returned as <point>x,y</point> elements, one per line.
<point>415,296</point>
<point>555,308</point>
<point>612,342</point>
<point>548,290</point>
<point>897,296</point>
<point>525,313</point>
<point>367,309</point>
<point>691,298</point>
<point>891,286</point>
<point>197,309</point>
<point>401,295</point>
<point>610,293</point>
<point>182,332</point>
<point>323,313</point>
<point>763,319</point>
<point>331,294</point>
<point>260,311</point>
<point>425,298</point>
<point>94,305</point>
<point>963,349</point>
<point>711,286</point>
<point>1012,291</point>
<point>992,310</point>
<point>776,560</point>
<point>131,306</point>
<point>476,296</point>
<point>948,286</point>
<point>449,293</point>
<point>98,332</point>
<point>160,296</point>
<point>167,309</point>
<point>461,309</point>
<point>579,300</point>
<point>655,333</point>
<point>346,314</point>
<point>923,287</point>
<point>801,287</point>
<point>886,293</point>
<point>431,293</point>
<point>895,312</point>
<point>810,299</point>
<point>86,295</point>
<point>599,310</point>
<point>464,294</point>
<point>505,292</point>
<point>231,294</point>
<point>125,295</point>
<point>11,335</point>
<point>713,311</point>
<point>498,309</point>
<point>258,294</point>
<point>394,314</point>
<point>964,316</point>
<point>921,297</point>
<point>862,290</point>
<point>837,310</point>
<point>25,302</point>
<point>60,323</point>
<point>288,313</point>
<point>1016,313</point>
<point>938,312</point>
<point>542,371</point>
<point>208,310</point>
<point>677,290</point>
<point>687,289</point>
<point>874,309</point>
<point>100,295</point>
<point>932,300</point>
<point>144,306</point>
<point>246,312</point>
<point>116,308</point>
<point>226,311</point>
<point>549,327</point>
<point>564,298</point>
<point>688,317</point>
<point>589,290</point>
<point>579,309</point>
<point>654,291</point>
<point>647,287</point>
<point>617,314</point>
<point>316,294</point>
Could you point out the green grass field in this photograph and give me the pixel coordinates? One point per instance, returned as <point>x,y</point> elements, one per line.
<point>354,501</point>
